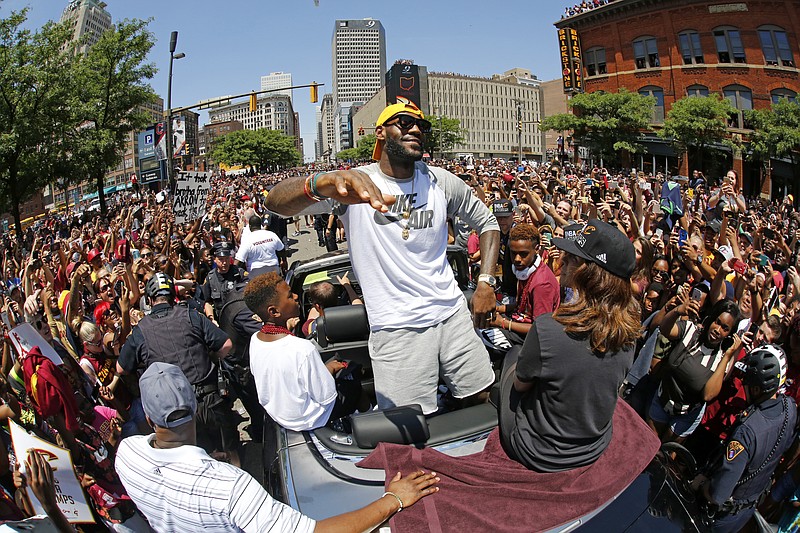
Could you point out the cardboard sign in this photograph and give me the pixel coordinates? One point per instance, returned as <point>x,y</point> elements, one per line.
<point>69,495</point>
<point>24,337</point>
<point>191,192</point>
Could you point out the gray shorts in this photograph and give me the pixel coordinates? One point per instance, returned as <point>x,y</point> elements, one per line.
<point>408,362</point>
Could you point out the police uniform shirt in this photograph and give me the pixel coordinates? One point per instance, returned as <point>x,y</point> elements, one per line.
<point>747,449</point>
<point>133,352</point>
<point>229,280</point>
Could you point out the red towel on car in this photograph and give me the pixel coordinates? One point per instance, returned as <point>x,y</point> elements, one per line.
<point>488,491</point>
<point>49,389</point>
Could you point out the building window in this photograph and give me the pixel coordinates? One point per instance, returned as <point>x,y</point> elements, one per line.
<point>779,94</point>
<point>742,99</point>
<point>658,109</point>
<point>697,90</point>
<point>595,60</point>
<point>729,45</point>
<point>775,45</point>
<point>690,47</point>
<point>645,52</point>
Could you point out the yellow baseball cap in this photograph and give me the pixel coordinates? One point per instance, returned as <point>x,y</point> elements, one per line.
<point>389,112</point>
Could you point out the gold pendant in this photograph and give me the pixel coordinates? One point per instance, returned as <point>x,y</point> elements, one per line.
<point>405,234</point>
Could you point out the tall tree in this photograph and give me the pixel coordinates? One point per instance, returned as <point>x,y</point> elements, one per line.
<point>446,133</point>
<point>362,151</point>
<point>35,75</point>
<point>113,80</point>
<point>265,149</point>
<point>606,123</point>
<point>776,133</point>
<point>698,122</point>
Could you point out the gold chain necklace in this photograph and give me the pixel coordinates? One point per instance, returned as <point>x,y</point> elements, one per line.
<point>406,214</point>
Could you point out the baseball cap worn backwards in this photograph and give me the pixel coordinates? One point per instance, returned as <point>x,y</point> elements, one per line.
<point>603,245</point>
<point>165,391</point>
<point>389,112</point>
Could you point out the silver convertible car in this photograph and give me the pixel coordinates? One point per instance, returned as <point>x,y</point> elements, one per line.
<point>315,471</point>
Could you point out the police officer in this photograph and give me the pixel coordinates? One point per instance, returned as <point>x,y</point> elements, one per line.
<point>178,335</point>
<point>754,448</point>
<point>222,280</point>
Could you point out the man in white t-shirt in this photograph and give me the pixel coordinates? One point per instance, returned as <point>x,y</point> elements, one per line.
<point>261,250</point>
<point>395,213</point>
<point>180,488</point>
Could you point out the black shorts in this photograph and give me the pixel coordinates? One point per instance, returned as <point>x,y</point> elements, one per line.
<point>217,428</point>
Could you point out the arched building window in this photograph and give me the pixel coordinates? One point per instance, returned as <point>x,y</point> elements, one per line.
<point>691,51</point>
<point>775,45</point>
<point>742,99</point>
<point>697,90</point>
<point>658,94</point>
<point>595,61</point>
<point>645,52</point>
<point>729,45</point>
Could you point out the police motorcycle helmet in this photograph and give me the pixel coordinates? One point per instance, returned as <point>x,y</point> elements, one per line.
<point>160,285</point>
<point>765,367</point>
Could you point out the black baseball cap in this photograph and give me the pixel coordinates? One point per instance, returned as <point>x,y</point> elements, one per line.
<point>603,245</point>
<point>502,208</point>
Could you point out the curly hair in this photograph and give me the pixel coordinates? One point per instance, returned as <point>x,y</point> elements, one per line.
<point>524,232</point>
<point>604,310</point>
<point>261,292</point>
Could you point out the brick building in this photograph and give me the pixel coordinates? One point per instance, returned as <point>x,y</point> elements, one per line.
<point>745,51</point>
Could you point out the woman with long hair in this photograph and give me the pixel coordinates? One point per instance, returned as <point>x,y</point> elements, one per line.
<point>694,369</point>
<point>729,193</point>
<point>559,391</point>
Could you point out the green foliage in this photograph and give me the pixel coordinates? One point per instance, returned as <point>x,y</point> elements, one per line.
<point>445,134</point>
<point>362,151</point>
<point>265,149</point>
<point>606,123</point>
<point>35,91</point>
<point>698,122</point>
<point>110,84</point>
<point>776,131</point>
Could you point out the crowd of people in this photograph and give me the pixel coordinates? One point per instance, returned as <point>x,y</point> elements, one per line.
<point>688,287</point>
<point>583,7</point>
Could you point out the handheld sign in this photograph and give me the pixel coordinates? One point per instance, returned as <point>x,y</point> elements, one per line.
<point>69,495</point>
<point>191,192</point>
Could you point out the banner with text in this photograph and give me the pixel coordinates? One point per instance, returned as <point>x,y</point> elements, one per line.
<point>69,495</point>
<point>191,192</point>
<point>24,337</point>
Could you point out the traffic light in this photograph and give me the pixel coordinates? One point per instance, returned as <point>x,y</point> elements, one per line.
<point>519,125</point>
<point>253,103</point>
<point>361,130</point>
<point>314,93</point>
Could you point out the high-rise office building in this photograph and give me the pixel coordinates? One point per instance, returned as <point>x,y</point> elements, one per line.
<point>358,65</point>
<point>90,19</point>
<point>277,80</point>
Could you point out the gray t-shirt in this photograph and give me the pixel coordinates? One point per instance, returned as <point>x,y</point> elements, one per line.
<point>564,421</point>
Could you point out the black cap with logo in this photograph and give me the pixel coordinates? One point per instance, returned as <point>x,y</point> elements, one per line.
<point>502,208</point>
<point>603,245</point>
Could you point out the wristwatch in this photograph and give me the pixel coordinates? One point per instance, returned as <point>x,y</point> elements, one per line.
<point>488,279</point>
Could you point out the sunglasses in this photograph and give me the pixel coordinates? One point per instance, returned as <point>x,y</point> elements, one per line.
<point>406,122</point>
<point>98,343</point>
<point>147,255</point>
<point>105,288</point>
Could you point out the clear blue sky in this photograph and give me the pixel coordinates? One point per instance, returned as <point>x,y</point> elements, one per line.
<point>230,44</point>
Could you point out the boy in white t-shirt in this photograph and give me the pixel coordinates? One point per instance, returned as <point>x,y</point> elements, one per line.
<point>294,386</point>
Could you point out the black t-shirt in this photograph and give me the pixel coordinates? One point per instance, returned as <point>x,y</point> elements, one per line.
<point>689,369</point>
<point>564,421</point>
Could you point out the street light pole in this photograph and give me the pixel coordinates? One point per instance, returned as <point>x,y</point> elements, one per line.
<point>173,43</point>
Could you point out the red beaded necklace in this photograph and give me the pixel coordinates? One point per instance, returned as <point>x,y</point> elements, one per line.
<point>272,329</point>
